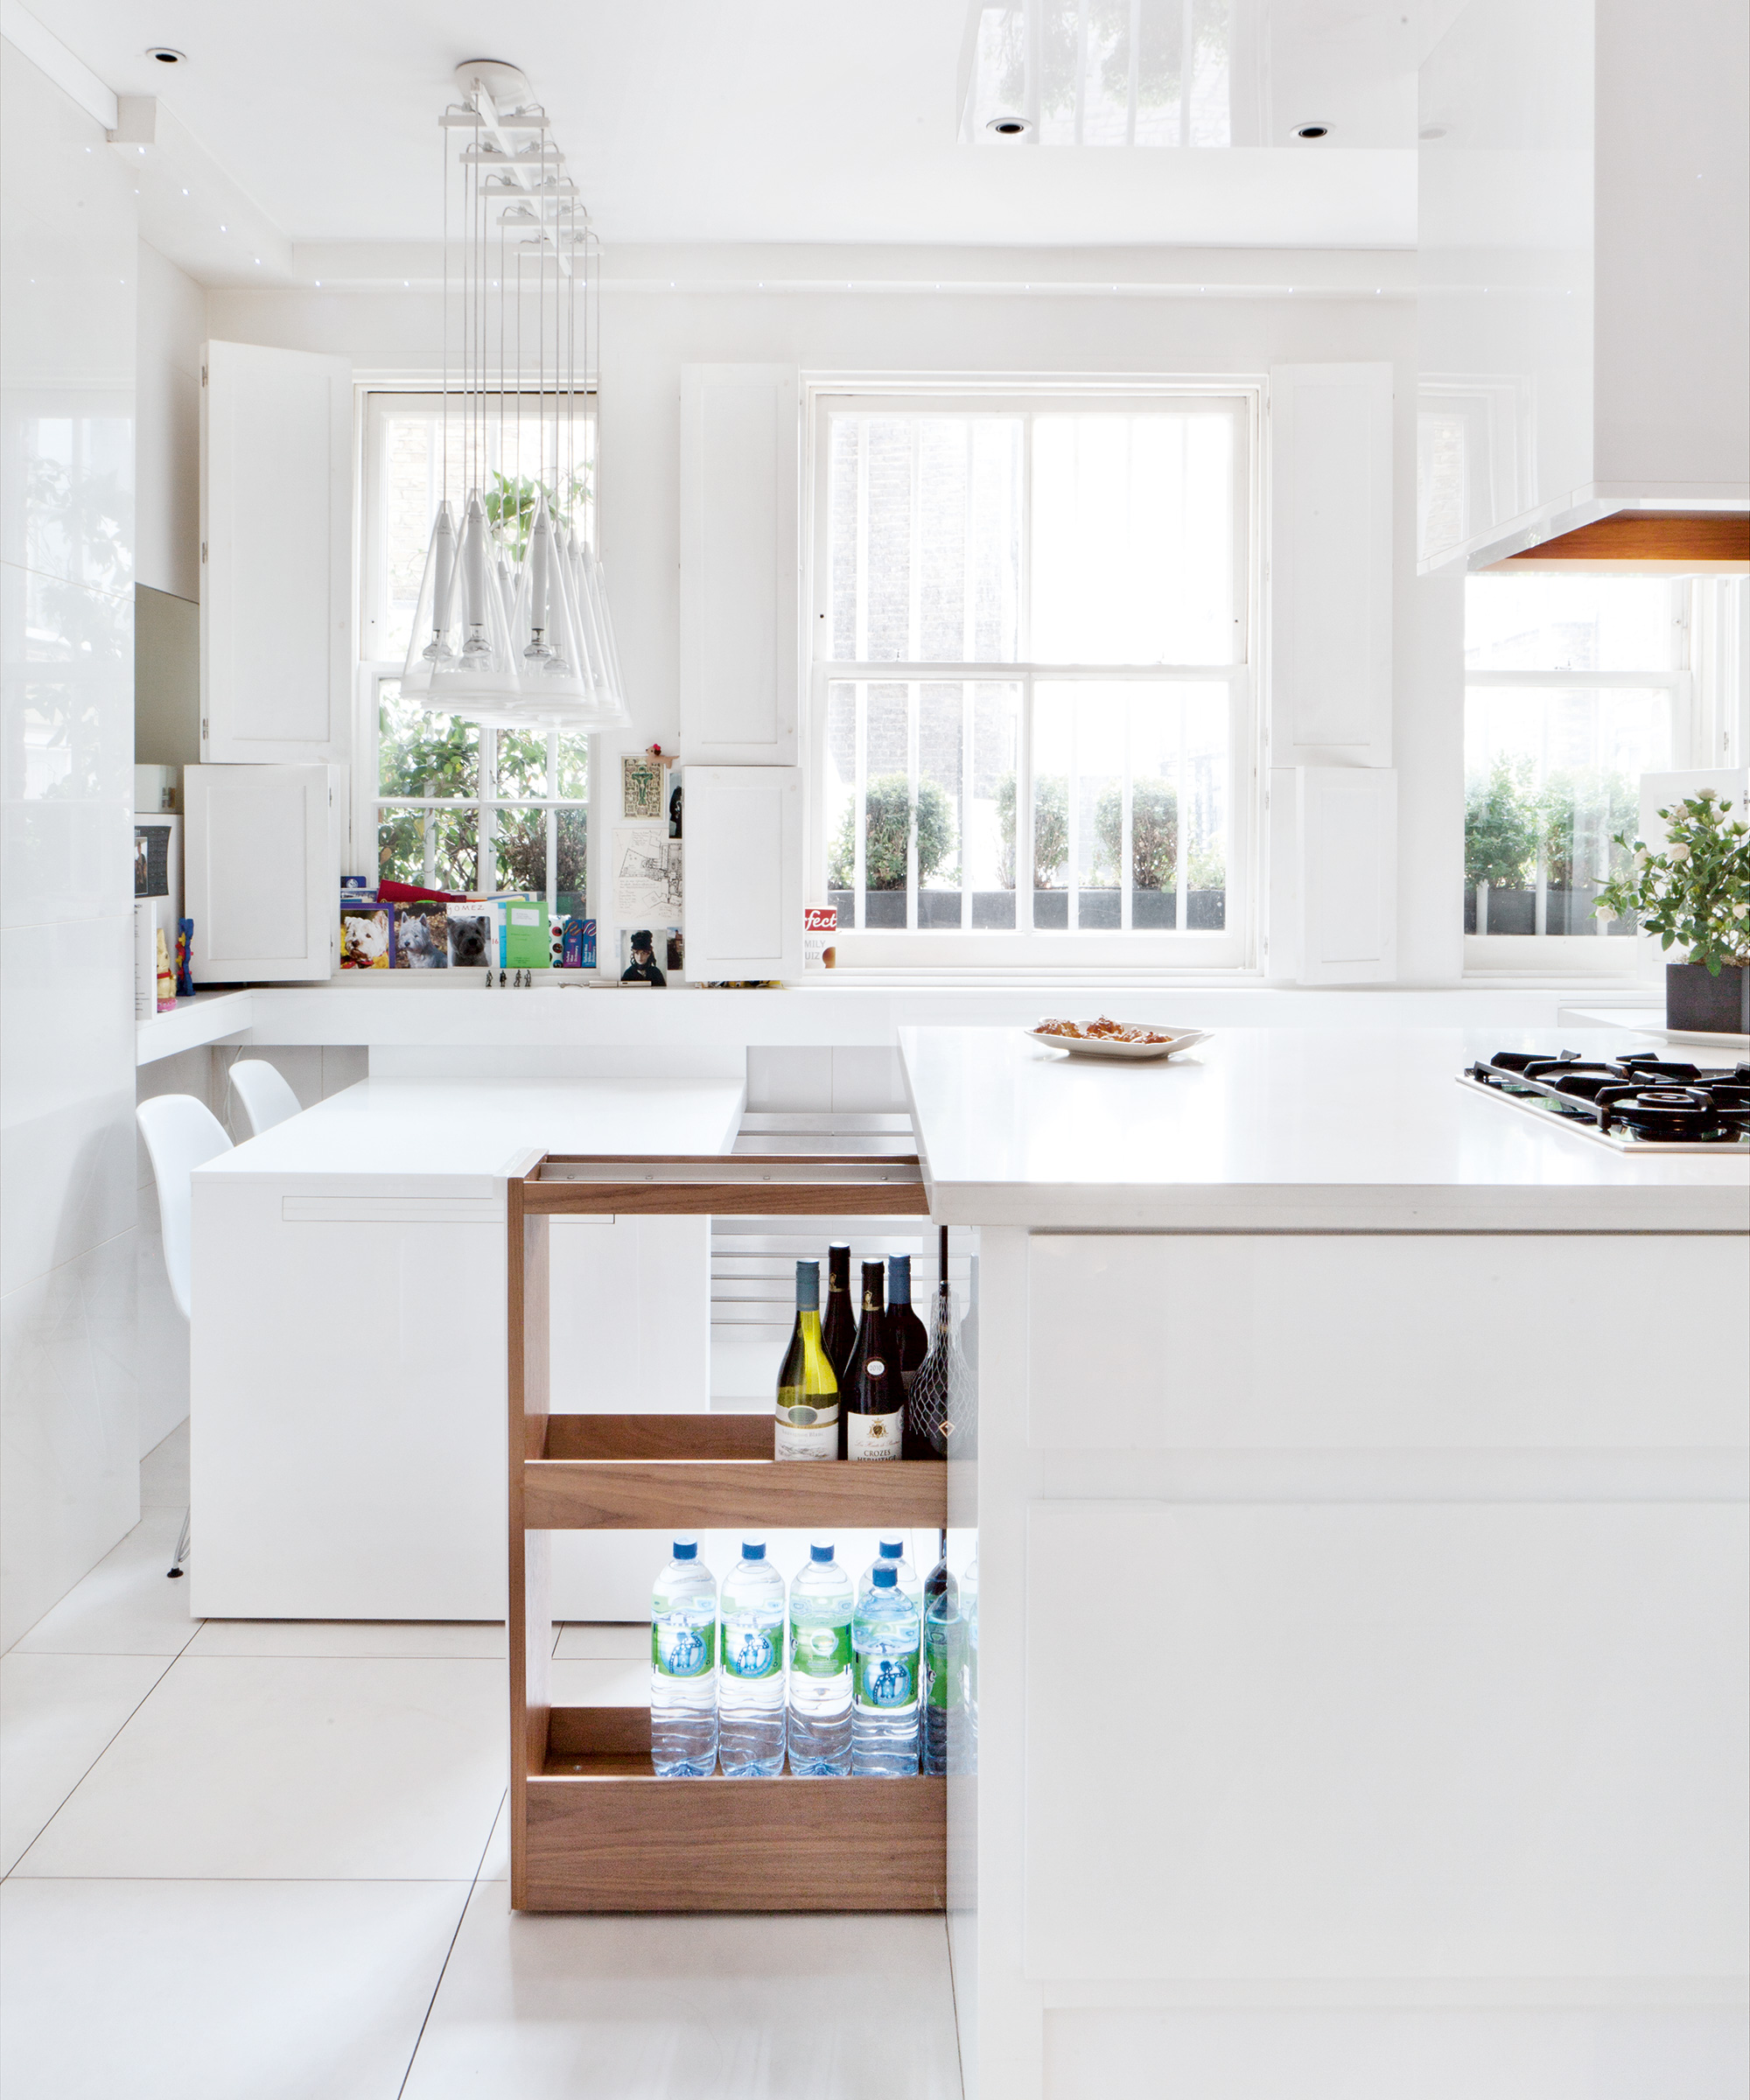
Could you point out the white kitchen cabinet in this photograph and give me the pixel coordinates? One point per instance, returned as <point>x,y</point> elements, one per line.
<point>1584,308</point>
<point>743,873</point>
<point>1343,905</point>
<point>263,873</point>
<point>740,639</point>
<point>277,551</point>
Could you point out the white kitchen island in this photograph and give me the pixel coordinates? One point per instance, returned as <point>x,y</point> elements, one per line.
<point>348,1358</point>
<point>1361,1653</point>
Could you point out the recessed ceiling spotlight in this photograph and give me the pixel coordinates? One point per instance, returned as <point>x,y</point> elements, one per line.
<point>167,54</point>
<point>1311,130</point>
<point>1008,127</point>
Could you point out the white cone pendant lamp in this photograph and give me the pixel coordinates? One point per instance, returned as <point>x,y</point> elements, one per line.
<point>507,630</point>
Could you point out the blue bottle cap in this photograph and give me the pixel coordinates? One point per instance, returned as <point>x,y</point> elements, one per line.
<point>686,1549</point>
<point>885,1578</point>
<point>820,1552</point>
<point>753,1549</point>
<point>891,1549</point>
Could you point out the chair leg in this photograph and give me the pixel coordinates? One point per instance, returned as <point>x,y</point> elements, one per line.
<point>181,1547</point>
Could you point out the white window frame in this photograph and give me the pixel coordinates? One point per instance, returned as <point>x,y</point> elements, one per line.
<point>375,670</point>
<point>1708,725</point>
<point>1052,950</point>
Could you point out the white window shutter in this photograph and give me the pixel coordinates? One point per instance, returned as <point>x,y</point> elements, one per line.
<point>743,877</point>
<point>263,876</point>
<point>276,542</point>
<point>1345,827</point>
<point>1330,564</point>
<point>740,639</point>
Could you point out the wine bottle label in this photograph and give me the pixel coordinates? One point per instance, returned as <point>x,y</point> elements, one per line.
<point>750,1651</point>
<point>819,1440</point>
<point>678,1649</point>
<point>885,1681</point>
<point>873,1436</point>
<point>819,1651</point>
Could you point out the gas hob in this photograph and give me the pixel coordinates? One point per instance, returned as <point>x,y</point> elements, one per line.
<point>1632,1105</point>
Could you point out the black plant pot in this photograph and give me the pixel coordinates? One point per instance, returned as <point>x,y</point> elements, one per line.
<point>1700,1003</point>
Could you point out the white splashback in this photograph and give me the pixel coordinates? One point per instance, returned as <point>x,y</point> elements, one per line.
<point>71,1480</point>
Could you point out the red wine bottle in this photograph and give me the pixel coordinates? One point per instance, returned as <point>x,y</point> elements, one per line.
<point>872,1400</point>
<point>838,1324</point>
<point>908,1340</point>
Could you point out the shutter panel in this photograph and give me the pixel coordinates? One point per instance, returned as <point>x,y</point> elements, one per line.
<point>743,877</point>
<point>262,878</point>
<point>1346,819</point>
<point>1330,564</point>
<point>277,531</point>
<point>741,565</point>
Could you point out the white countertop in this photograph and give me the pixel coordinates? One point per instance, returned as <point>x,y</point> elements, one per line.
<point>1286,1128</point>
<point>448,1138</point>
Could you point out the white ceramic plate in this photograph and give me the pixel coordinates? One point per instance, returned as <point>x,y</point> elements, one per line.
<point>1128,1053</point>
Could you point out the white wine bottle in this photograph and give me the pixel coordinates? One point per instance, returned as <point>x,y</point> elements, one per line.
<point>806,1424</point>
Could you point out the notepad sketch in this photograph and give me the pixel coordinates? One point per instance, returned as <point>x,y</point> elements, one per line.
<point>647,876</point>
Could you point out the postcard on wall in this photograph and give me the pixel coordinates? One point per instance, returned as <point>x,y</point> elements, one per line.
<point>647,877</point>
<point>472,931</point>
<point>422,940</point>
<point>642,779</point>
<point>151,860</point>
<point>366,937</point>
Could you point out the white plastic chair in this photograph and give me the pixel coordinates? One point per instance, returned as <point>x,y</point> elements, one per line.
<point>265,1093</point>
<point>181,1134</point>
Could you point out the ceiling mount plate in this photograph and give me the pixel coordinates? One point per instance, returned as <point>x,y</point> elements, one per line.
<point>507,85</point>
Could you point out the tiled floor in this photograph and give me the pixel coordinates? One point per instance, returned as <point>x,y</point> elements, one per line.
<point>269,1862</point>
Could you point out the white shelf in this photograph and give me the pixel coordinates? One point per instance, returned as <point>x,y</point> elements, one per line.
<point>1645,1020</point>
<point>209,1016</point>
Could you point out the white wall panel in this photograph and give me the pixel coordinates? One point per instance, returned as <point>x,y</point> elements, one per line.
<point>1345,835</point>
<point>744,872</point>
<point>1417,1741</point>
<point>740,563</point>
<point>263,876</point>
<point>1398,1342</point>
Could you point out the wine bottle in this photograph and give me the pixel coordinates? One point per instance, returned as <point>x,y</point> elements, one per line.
<point>838,1329</point>
<point>940,1420</point>
<point>873,1402</point>
<point>807,1422</point>
<point>907,1337</point>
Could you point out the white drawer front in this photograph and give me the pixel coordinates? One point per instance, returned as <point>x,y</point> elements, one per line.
<point>1149,1341</point>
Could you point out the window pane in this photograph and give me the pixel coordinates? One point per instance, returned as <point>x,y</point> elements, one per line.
<point>923,538</point>
<point>941,721</point>
<point>523,762</point>
<point>840,802</point>
<point>1132,538</point>
<point>1544,622</point>
<point>887,802</point>
<point>989,819</point>
<point>439,850</point>
<point>572,830</point>
<point>1551,774</point>
<point>417,752</point>
<point>574,766</point>
<point>1205,775</point>
<point>521,851</point>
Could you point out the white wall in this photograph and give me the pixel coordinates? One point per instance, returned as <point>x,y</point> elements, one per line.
<point>67,305</point>
<point>664,310</point>
<point>172,326</point>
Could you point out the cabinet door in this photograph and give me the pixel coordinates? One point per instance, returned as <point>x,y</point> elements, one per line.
<point>277,546</point>
<point>263,870</point>
<point>1346,820</point>
<point>741,565</point>
<point>744,872</point>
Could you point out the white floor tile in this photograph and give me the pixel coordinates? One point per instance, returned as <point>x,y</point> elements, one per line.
<point>604,1643</point>
<point>240,1767</point>
<point>217,1990</point>
<point>733,2008</point>
<point>600,1684</point>
<point>496,1865</point>
<point>127,1605</point>
<point>163,1473</point>
<point>58,1713</point>
<point>346,1637</point>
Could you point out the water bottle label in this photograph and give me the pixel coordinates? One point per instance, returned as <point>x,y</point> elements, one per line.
<point>886,1680</point>
<point>819,1651</point>
<point>752,1651</point>
<point>680,1651</point>
<point>872,1436</point>
<point>944,1649</point>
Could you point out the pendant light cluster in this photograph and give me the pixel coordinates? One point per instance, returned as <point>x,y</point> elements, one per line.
<point>512,626</point>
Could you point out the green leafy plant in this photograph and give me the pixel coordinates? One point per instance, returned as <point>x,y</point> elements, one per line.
<point>888,799</point>
<point>1051,829</point>
<point>1501,825</point>
<point>510,501</point>
<point>1206,869</point>
<point>1154,833</point>
<point>1578,815</point>
<point>1695,895</point>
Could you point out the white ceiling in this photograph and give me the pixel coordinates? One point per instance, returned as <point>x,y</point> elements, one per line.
<point>760,120</point>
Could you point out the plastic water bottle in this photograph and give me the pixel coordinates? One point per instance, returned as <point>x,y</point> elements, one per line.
<point>682,1667</point>
<point>968,1611</point>
<point>944,1690</point>
<point>884,1641</point>
<point>820,1610</point>
<point>891,1552</point>
<point>750,1700</point>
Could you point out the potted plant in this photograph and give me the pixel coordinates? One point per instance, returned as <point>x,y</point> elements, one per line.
<point>1695,895</point>
<point>889,812</point>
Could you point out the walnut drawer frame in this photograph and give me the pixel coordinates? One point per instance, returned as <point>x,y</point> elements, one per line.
<point>591,1827</point>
